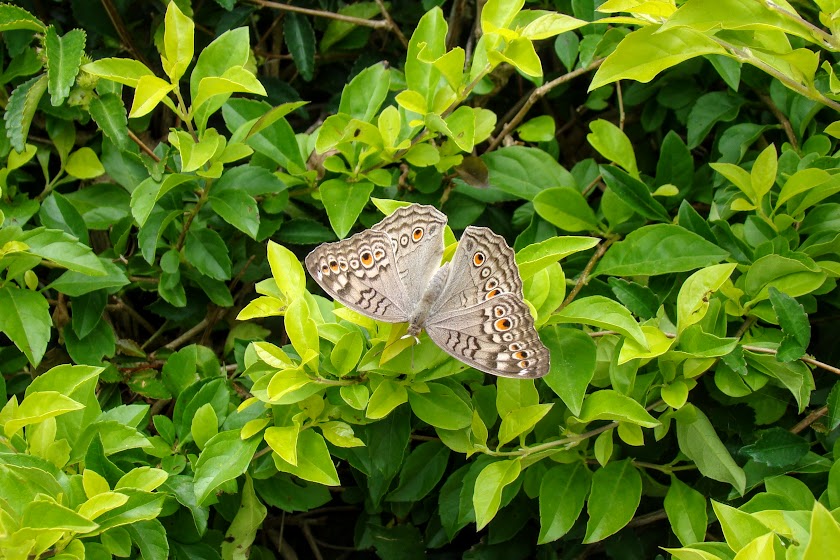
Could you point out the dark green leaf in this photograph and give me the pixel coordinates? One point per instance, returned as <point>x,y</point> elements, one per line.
<point>776,447</point>
<point>833,403</point>
<point>440,407</point>
<point>64,56</point>
<point>524,172</point>
<point>25,320</point>
<point>109,113</point>
<point>300,40</point>
<point>708,110</point>
<point>616,493</point>
<point>640,300</point>
<point>422,470</point>
<point>206,250</point>
<point>562,492</point>
<point>634,193</point>
<point>21,108</point>
<point>794,323</point>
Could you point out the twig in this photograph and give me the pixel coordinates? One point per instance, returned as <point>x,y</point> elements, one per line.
<point>394,27</point>
<point>584,276</point>
<point>648,518</point>
<point>307,532</point>
<point>143,146</point>
<point>374,23</point>
<point>121,305</point>
<point>806,359</point>
<point>620,105</point>
<point>187,335</point>
<point>535,96</point>
<point>785,122</point>
<point>810,419</point>
<point>456,16</point>
<point>125,37</point>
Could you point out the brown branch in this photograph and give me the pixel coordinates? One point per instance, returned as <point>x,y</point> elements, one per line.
<point>125,36</point>
<point>781,117</point>
<point>535,96</point>
<point>456,17</point>
<point>806,359</point>
<point>648,518</point>
<point>394,27</point>
<point>187,335</point>
<point>810,419</point>
<point>376,24</point>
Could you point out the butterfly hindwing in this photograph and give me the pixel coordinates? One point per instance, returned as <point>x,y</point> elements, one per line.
<point>495,336</point>
<point>483,267</point>
<point>361,273</point>
<point>416,234</point>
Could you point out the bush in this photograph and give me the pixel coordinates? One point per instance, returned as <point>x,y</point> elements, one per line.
<point>155,176</point>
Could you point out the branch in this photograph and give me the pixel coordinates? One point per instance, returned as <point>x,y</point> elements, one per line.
<point>535,96</point>
<point>376,24</point>
<point>394,27</point>
<point>810,419</point>
<point>584,276</point>
<point>806,359</point>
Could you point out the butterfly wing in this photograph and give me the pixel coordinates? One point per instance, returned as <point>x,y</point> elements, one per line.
<point>483,267</point>
<point>361,273</point>
<point>416,232</point>
<point>496,336</point>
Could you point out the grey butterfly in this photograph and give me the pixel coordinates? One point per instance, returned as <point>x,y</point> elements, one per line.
<point>472,307</point>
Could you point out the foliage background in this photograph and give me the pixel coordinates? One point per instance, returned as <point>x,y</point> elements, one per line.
<point>163,399</point>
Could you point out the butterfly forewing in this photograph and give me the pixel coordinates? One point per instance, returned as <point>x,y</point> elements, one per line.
<point>496,336</point>
<point>416,234</point>
<point>361,273</point>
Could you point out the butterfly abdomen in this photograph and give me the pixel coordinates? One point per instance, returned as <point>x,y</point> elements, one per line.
<point>421,311</point>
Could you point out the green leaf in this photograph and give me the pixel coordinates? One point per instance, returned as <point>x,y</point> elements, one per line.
<point>238,208</point>
<point>549,25</point>
<point>538,129</point>
<point>565,208</point>
<point>563,490</point>
<point>124,71</point>
<point>204,425</point>
<point>235,79</point>
<point>109,113</point>
<point>421,471</point>
<point>520,54</point>
<point>314,461</point>
<point>440,407</point>
<point>615,495</point>
<point>231,48</point>
<point>84,164</point>
<point>794,323</point>
<point>601,312</point>
<point>276,141</point>
<point>64,56</point>
<point>287,271</point>
<point>207,252</point>
<point>763,173</point>
<point>63,249</point>
<point>340,434</point>
<point>21,108</point>
<point>707,111</point>
<point>795,376</point>
<point>14,18</point>
<point>356,395</point>
<point>499,14</point>
<point>150,91</point>
<point>694,295</point>
<point>346,353</point>
<point>659,249</point>
<point>49,515</point>
<point>573,360</point>
<point>338,30</point>
<point>833,403</point>
<point>74,283</point>
<point>739,528</point>
<point>26,321</point>
<point>640,300</point>
<point>634,193</point>
<point>825,535</point>
<point>520,421</point>
<point>644,53</point>
<point>795,277</point>
<point>700,443</point>
<point>686,511</point>
<point>245,525</point>
<point>612,143</point>
<point>300,40</point>
<point>364,95</point>
<point>487,496</point>
<point>523,172</point>
<point>344,202</point>
<point>537,256</point>
<point>301,328</point>
<point>225,457</point>
<point>387,396</point>
<point>607,404</point>
<point>37,407</point>
<point>178,42</point>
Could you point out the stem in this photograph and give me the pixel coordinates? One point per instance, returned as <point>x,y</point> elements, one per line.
<point>806,359</point>
<point>584,276</point>
<point>535,96</point>
<point>394,27</point>
<point>205,193</point>
<point>376,24</point>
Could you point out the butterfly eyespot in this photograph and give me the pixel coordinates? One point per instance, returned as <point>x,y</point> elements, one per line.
<point>478,258</point>
<point>403,240</point>
<point>417,234</point>
<point>515,347</point>
<point>334,265</point>
<point>499,311</point>
<point>491,284</point>
<point>325,269</point>
<point>507,337</point>
<point>485,272</point>
<point>524,363</point>
<point>502,324</point>
<point>342,265</point>
<point>367,259</point>
<point>354,263</point>
<point>521,355</point>
<point>378,254</point>
<point>492,293</point>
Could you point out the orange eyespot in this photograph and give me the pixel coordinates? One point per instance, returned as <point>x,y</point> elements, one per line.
<point>492,293</point>
<point>478,258</point>
<point>417,234</point>
<point>520,355</point>
<point>367,259</point>
<point>514,347</point>
<point>491,284</point>
<point>334,266</point>
<point>499,311</point>
<point>524,363</point>
<point>325,269</point>
<point>342,265</point>
<point>378,254</point>
<point>502,324</point>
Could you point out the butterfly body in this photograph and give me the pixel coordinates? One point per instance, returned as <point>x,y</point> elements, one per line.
<point>472,307</point>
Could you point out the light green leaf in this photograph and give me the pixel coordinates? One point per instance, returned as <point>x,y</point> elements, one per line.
<point>387,396</point>
<point>37,407</point>
<point>301,329</point>
<point>178,42</point>
<point>487,496</point>
<point>344,202</point>
<point>225,457</point>
<point>26,321</point>
<point>314,460</point>
<point>608,404</point>
<point>601,312</point>
<point>537,256</point>
<point>612,143</point>
<point>565,208</point>
<point>439,407</point>
<point>615,495</point>
<point>693,298</point>
<point>84,164</point>
<point>686,511</point>
<point>563,490</point>
<point>150,91</point>
<point>520,421</point>
<point>235,79</point>
<point>286,270</point>
<point>126,71</point>
<point>739,528</point>
<point>700,443</point>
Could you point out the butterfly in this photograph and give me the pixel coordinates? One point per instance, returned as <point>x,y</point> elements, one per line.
<point>471,307</point>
